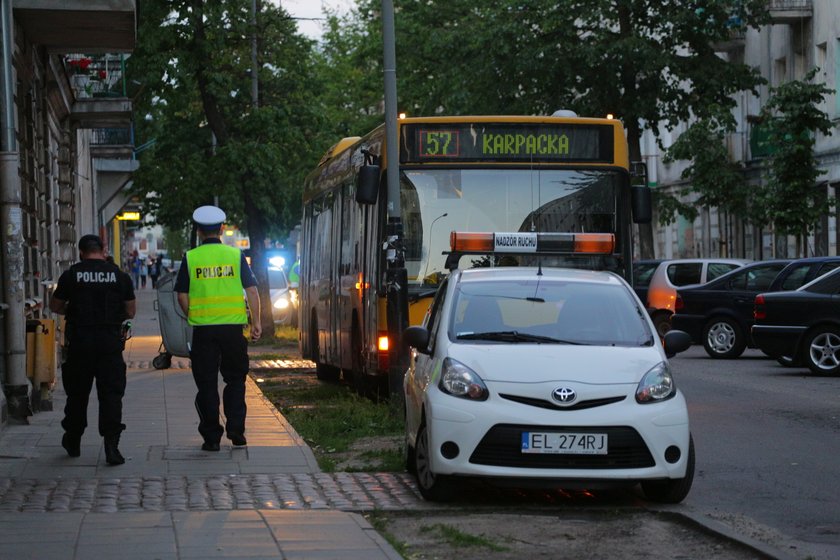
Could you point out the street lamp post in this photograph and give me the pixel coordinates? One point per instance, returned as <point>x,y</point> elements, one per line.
<point>396,277</point>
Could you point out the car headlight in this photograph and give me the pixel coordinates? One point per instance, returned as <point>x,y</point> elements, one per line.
<point>281,303</point>
<point>460,381</point>
<point>656,385</point>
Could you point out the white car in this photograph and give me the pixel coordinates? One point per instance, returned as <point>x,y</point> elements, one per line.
<point>547,376</point>
<point>283,301</point>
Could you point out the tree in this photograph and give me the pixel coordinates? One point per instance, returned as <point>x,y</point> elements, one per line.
<point>711,175</point>
<point>651,64</point>
<point>791,199</point>
<point>212,141</point>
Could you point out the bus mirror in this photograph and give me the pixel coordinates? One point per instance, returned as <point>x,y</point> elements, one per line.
<point>640,198</point>
<point>367,184</point>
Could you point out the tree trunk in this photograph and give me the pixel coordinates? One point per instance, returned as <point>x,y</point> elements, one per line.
<point>256,233</point>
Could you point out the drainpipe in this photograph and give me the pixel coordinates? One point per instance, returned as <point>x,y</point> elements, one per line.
<point>15,384</point>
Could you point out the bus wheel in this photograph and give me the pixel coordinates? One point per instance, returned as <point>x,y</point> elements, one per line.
<point>323,372</point>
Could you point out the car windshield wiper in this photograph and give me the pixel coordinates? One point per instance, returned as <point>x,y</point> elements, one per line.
<point>514,336</point>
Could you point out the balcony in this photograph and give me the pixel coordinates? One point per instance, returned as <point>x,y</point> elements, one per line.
<point>98,84</point>
<point>92,26</point>
<point>790,11</point>
<point>112,143</point>
<point>735,41</point>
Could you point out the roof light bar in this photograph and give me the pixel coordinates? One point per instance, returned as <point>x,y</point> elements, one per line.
<point>525,242</point>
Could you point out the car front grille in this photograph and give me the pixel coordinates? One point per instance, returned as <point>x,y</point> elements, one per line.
<point>501,447</point>
<point>542,403</point>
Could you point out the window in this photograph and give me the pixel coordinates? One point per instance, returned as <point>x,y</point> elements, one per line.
<point>642,273</point>
<point>780,71</point>
<point>796,278</point>
<point>719,269</point>
<point>683,274</point>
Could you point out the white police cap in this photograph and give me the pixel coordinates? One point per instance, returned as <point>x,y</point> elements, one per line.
<point>209,217</point>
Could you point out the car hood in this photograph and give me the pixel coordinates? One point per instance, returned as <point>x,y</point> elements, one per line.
<point>539,363</point>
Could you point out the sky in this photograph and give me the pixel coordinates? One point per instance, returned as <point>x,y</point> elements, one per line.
<point>312,9</point>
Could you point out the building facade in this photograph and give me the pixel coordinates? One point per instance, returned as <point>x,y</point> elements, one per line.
<point>66,158</point>
<point>801,35</point>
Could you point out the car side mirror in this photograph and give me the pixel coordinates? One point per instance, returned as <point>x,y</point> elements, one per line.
<point>676,342</point>
<point>418,338</point>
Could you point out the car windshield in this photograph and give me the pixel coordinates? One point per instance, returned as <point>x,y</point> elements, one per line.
<point>276,279</point>
<point>548,312</point>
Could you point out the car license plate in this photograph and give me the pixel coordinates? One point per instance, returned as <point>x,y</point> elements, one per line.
<point>564,442</point>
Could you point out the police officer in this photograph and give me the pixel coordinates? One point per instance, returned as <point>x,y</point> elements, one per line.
<point>209,286</point>
<point>96,297</point>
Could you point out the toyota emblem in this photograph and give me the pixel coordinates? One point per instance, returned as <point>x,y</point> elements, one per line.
<point>564,395</point>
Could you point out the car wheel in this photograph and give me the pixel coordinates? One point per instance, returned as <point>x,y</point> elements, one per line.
<point>722,338</point>
<point>789,361</point>
<point>162,361</point>
<point>433,487</point>
<point>822,351</point>
<point>662,323</point>
<point>673,490</point>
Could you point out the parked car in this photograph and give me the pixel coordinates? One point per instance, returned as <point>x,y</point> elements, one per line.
<point>802,326</point>
<point>550,376</point>
<point>282,302</point>
<point>642,273</point>
<point>669,275</point>
<point>719,314</point>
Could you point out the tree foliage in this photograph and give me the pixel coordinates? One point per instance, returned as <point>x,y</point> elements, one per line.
<point>711,175</point>
<point>791,198</point>
<point>649,63</point>
<point>211,140</point>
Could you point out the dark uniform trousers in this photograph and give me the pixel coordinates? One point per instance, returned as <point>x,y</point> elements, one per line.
<point>219,349</point>
<point>94,353</point>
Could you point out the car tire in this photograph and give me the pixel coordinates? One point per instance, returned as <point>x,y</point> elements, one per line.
<point>162,361</point>
<point>822,351</point>
<point>662,323</point>
<point>790,361</point>
<point>433,487</point>
<point>673,490</point>
<point>723,338</point>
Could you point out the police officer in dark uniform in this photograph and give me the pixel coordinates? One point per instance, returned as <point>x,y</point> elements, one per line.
<point>96,297</point>
<point>209,286</point>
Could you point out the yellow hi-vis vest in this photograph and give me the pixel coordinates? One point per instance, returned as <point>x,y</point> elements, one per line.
<point>216,296</point>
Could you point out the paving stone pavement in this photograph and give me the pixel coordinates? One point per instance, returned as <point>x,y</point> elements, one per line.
<point>343,491</point>
<point>170,500</point>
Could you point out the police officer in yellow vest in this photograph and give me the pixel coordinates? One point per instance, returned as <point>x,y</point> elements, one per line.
<point>209,286</point>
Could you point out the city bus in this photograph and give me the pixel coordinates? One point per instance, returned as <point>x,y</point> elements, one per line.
<point>481,174</point>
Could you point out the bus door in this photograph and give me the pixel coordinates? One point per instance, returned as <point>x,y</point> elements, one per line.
<point>346,240</point>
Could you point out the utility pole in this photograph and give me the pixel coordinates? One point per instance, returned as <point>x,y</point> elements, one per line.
<point>255,91</point>
<point>396,277</point>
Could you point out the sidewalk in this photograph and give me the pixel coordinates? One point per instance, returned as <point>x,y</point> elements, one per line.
<point>170,500</point>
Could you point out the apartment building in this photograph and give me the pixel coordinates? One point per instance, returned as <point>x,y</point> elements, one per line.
<point>802,34</point>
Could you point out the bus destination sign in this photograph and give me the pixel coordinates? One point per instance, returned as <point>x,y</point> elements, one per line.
<point>496,142</point>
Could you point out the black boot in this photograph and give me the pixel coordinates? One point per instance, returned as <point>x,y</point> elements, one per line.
<point>72,444</point>
<point>112,453</point>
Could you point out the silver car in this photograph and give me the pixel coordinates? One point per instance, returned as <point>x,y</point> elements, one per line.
<point>673,274</point>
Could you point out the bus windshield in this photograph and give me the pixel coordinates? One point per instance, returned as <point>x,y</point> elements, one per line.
<point>435,202</point>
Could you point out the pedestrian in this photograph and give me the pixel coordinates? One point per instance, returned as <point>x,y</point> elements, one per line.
<point>135,269</point>
<point>209,286</point>
<point>144,271</point>
<point>96,297</point>
<point>154,270</point>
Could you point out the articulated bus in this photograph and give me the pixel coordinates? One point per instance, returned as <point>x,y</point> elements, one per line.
<point>470,175</point>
